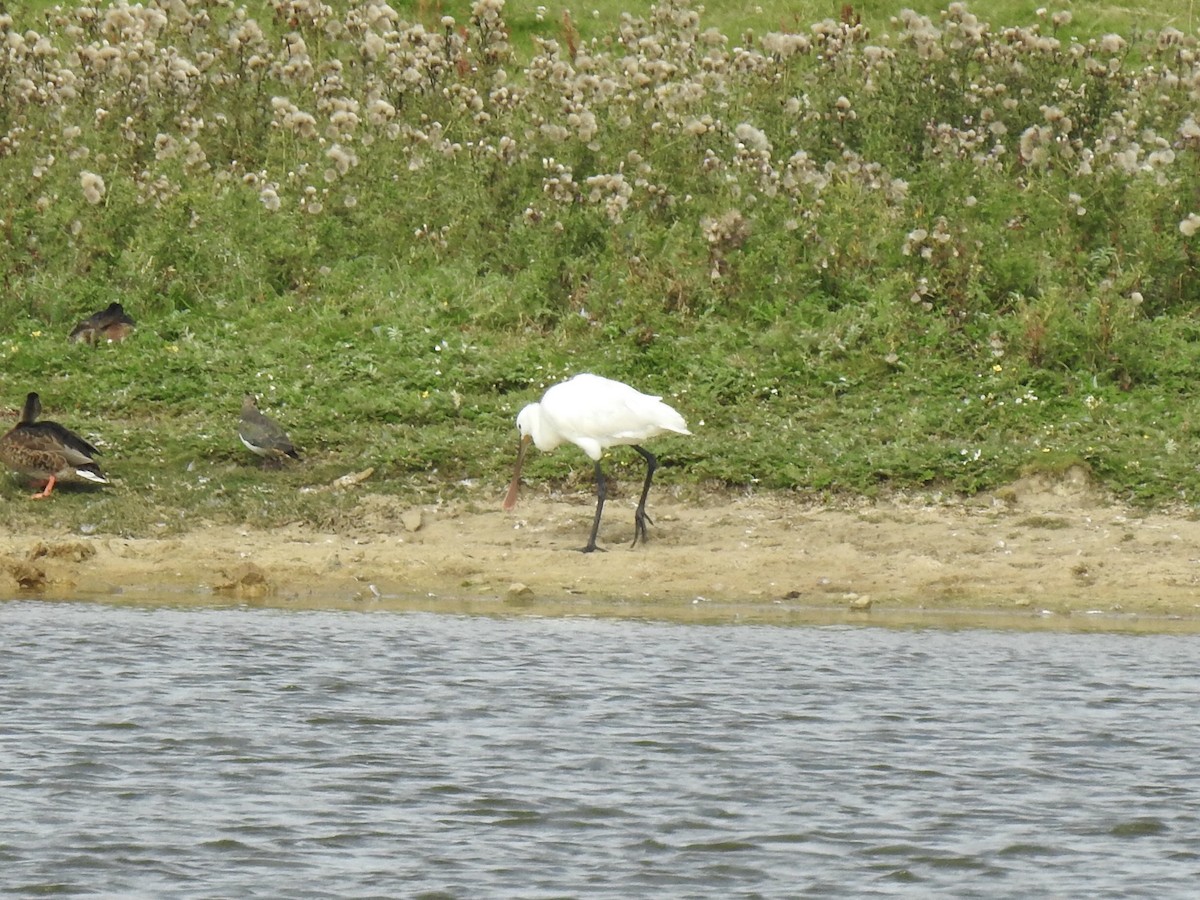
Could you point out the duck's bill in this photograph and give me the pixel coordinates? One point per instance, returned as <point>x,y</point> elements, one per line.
<point>514,486</point>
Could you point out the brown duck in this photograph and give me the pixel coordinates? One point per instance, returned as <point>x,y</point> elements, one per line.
<point>262,435</point>
<point>47,451</point>
<point>110,324</point>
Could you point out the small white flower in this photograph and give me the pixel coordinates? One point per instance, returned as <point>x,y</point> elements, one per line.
<point>93,187</point>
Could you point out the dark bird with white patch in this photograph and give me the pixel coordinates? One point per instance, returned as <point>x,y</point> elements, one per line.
<point>48,452</point>
<point>262,435</point>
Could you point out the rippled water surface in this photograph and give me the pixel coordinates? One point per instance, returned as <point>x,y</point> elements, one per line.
<point>257,753</point>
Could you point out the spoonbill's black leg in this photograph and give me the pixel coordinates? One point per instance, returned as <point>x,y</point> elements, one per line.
<point>601,493</point>
<point>640,519</point>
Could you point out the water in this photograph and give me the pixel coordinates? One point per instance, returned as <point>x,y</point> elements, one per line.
<point>150,753</point>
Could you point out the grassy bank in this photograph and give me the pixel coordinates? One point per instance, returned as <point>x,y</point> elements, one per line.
<point>926,253</point>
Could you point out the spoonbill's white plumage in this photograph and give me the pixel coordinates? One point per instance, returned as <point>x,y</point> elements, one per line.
<point>596,413</point>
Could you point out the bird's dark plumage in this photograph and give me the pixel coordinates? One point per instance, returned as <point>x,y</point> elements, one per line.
<point>110,324</point>
<point>48,452</point>
<point>262,435</point>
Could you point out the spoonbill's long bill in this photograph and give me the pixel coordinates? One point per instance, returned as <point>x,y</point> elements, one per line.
<point>596,413</point>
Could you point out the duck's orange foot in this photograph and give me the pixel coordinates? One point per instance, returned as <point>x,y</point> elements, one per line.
<point>45,492</point>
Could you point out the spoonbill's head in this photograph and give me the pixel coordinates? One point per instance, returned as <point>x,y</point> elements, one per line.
<point>525,420</point>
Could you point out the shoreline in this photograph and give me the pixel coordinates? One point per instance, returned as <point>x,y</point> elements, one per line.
<point>1036,555</point>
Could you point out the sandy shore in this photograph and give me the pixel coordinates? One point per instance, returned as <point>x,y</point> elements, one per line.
<point>1037,554</point>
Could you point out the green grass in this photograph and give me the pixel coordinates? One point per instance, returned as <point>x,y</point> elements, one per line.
<point>844,287</point>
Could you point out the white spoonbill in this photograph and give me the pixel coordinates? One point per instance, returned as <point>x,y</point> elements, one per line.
<point>596,413</point>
